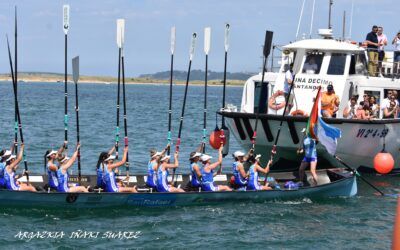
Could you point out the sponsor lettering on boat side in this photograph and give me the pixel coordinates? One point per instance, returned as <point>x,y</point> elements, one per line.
<point>303,83</point>
<point>149,201</point>
<point>372,133</point>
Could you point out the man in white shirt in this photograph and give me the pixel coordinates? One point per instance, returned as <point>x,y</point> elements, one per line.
<point>382,41</point>
<point>310,67</point>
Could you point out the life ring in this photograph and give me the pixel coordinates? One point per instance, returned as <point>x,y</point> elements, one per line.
<point>272,101</point>
<point>298,112</point>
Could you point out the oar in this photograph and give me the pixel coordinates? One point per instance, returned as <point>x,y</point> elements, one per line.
<point>19,123</point>
<point>178,141</point>
<point>122,34</point>
<point>207,45</point>
<point>119,44</point>
<point>266,51</point>
<point>358,174</point>
<point>75,76</point>
<point>66,28</point>
<point>15,79</point>
<point>173,38</point>
<point>223,126</point>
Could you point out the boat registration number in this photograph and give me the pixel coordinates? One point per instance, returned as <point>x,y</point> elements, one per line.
<point>372,133</point>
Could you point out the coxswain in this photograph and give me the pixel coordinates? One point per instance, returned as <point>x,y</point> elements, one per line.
<point>162,174</point>
<point>62,174</point>
<point>207,173</point>
<point>195,170</point>
<point>50,158</point>
<point>310,159</point>
<point>238,170</point>
<point>9,173</point>
<point>254,169</point>
<point>110,179</point>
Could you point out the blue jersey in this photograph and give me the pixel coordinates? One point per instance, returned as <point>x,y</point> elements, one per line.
<point>195,182</point>
<point>62,181</point>
<point>53,179</point>
<point>208,180</point>
<point>2,169</point>
<point>110,180</point>
<point>162,180</point>
<point>253,179</point>
<point>10,181</point>
<point>239,180</point>
<point>151,175</point>
<point>100,178</point>
<point>310,148</point>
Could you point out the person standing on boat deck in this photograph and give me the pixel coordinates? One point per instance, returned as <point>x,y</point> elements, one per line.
<point>109,177</point>
<point>372,48</point>
<point>62,174</point>
<point>195,170</point>
<point>286,86</point>
<point>329,102</point>
<point>382,41</point>
<point>310,159</point>
<point>254,169</point>
<point>162,175</point>
<point>207,173</point>
<point>9,173</point>
<point>396,54</point>
<point>238,170</point>
<point>4,154</point>
<point>350,111</point>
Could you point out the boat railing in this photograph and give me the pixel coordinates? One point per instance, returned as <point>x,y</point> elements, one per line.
<point>386,67</point>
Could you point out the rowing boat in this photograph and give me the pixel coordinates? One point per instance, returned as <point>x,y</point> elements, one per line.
<point>334,183</point>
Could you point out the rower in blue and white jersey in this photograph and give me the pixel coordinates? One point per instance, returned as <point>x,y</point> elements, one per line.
<point>100,169</point>
<point>238,170</point>
<point>310,158</point>
<point>195,170</point>
<point>254,169</point>
<point>152,168</point>
<point>162,174</point>
<point>4,154</point>
<point>51,168</point>
<point>207,173</point>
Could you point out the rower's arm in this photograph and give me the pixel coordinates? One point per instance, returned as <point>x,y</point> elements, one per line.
<point>216,164</point>
<point>112,150</point>
<point>242,172</point>
<point>123,160</point>
<point>15,143</point>
<point>71,161</point>
<point>62,149</point>
<point>14,165</point>
<point>266,169</point>
<point>197,170</point>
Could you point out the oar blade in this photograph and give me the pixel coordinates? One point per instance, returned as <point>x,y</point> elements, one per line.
<point>66,18</point>
<point>75,69</point>
<point>173,39</point>
<point>192,45</point>
<point>120,32</point>
<point>227,28</point>
<point>207,40</point>
<point>267,43</point>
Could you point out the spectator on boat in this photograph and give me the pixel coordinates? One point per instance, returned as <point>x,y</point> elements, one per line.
<point>4,154</point>
<point>373,107</point>
<point>396,54</point>
<point>310,66</point>
<point>350,111</point>
<point>254,169</point>
<point>110,179</point>
<point>207,172</point>
<point>329,102</point>
<point>195,170</point>
<point>372,48</point>
<point>238,170</point>
<point>162,174</point>
<point>286,86</point>
<point>9,173</point>
<point>50,158</point>
<point>309,160</point>
<point>382,41</point>
<point>390,111</point>
<point>363,111</point>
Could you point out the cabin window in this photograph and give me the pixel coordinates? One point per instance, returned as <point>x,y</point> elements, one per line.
<point>313,62</point>
<point>260,92</point>
<point>358,64</point>
<point>337,64</point>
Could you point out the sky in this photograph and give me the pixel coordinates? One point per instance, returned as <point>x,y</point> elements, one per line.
<point>92,33</point>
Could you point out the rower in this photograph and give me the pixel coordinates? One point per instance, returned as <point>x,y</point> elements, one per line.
<point>162,174</point>
<point>4,154</point>
<point>255,168</point>
<point>195,170</point>
<point>62,174</point>
<point>100,170</point>
<point>51,167</point>
<point>152,168</point>
<point>207,173</point>
<point>238,170</point>
<point>110,179</point>
<point>9,173</point>
<point>310,159</point>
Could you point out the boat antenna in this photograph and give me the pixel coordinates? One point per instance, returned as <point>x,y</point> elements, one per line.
<point>207,45</point>
<point>119,44</point>
<point>19,123</point>
<point>312,18</point>
<point>75,76</point>
<point>224,129</point>
<point>178,141</point>
<point>330,14</point>
<point>16,79</point>
<point>351,18</point>
<point>66,28</point>
<point>173,39</point>
<point>301,16</point>
<point>344,26</point>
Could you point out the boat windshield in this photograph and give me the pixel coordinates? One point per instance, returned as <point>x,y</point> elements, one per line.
<point>312,64</point>
<point>337,64</point>
<point>358,64</point>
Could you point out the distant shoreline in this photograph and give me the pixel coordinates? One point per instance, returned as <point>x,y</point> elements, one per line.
<point>54,78</point>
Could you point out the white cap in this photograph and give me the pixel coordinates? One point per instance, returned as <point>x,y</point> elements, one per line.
<point>7,153</point>
<point>111,157</point>
<point>196,154</point>
<point>156,154</point>
<point>303,130</point>
<point>66,158</point>
<point>12,157</point>
<point>165,158</point>
<point>258,157</point>
<point>51,153</point>
<point>205,157</point>
<point>238,154</point>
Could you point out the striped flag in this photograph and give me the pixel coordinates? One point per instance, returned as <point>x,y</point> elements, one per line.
<point>321,131</point>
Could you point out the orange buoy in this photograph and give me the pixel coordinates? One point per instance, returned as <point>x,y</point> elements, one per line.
<point>216,138</point>
<point>383,162</point>
<point>396,228</point>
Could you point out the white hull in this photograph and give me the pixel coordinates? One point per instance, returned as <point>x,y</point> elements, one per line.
<point>360,142</point>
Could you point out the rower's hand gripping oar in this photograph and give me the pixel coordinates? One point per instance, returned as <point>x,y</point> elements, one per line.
<point>178,141</point>
<point>66,28</point>
<point>75,76</point>
<point>207,46</point>
<point>173,39</point>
